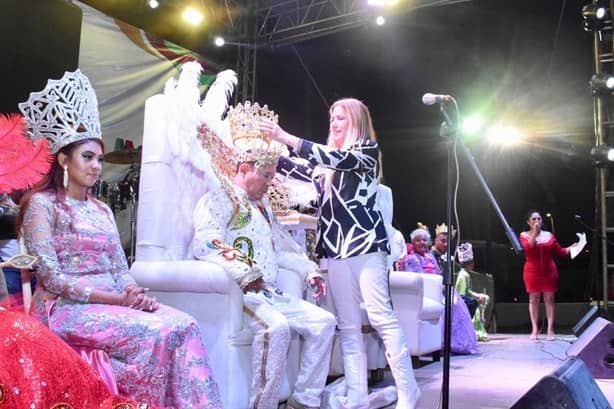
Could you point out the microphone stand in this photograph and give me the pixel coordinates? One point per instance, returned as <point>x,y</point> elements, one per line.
<point>596,232</point>
<point>448,126</point>
<point>446,273</point>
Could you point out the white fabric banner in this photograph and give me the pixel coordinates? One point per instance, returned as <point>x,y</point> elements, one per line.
<point>126,66</point>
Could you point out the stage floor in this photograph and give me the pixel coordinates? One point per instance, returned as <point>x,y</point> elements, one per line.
<point>508,367</point>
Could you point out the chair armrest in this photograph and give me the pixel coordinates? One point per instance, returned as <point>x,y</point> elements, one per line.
<point>407,282</point>
<point>192,276</point>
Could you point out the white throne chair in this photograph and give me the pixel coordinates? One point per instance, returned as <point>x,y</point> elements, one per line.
<point>168,192</point>
<point>416,297</point>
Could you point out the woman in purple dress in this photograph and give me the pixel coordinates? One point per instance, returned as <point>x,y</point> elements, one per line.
<point>420,260</point>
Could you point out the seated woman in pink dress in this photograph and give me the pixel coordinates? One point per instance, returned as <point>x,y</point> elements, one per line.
<point>420,260</point>
<point>84,291</point>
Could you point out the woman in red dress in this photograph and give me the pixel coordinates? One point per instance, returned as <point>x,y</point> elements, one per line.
<point>540,274</point>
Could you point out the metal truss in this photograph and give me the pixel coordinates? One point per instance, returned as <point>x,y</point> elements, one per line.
<point>603,109</point>
<point>257,23</point>
<point>290,21</point>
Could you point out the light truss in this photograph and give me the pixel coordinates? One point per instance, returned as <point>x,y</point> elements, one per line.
<point>291,21</point>
<point>257,23</point>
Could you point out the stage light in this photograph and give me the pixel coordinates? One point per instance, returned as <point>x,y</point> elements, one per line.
<point>380,20</point>
<point>192,16</point>
<point>153,4</point>
<point>219,41</point>
<point>472,125</point>
<point>602,155</point>
<point>595,15</point>
<point>381,2</point>
<point>503,135</point>
<point>602,83</point>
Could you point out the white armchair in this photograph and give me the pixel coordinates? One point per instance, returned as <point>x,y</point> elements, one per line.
<point>168,192</point>
<point>417,300</point>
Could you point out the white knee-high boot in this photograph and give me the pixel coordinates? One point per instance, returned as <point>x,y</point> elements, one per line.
<point>355,370</point>
<point>407,389</point>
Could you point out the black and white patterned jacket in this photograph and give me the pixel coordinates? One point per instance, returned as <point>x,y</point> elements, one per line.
<point>349,224</point>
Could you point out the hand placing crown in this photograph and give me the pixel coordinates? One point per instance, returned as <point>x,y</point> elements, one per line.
<point>251,144</point>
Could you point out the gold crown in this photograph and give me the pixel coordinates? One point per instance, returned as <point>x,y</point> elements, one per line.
<point>442,228</point>
<point>244,120</point>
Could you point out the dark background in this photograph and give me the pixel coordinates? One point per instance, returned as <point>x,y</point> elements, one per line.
<point>522,63</point>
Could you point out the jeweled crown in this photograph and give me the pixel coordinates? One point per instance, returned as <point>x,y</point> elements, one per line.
<point>65,111</point>
<point>464,252</point>
<point>252,145</point>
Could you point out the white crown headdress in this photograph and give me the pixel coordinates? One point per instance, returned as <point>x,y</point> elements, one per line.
<point>464,252</point>
<point>65,111</point>
<point>252,146</point>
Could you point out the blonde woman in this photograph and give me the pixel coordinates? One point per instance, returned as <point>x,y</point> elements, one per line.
<point>352,236</point>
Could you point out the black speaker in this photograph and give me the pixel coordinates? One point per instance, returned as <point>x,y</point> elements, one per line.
<point>587,320</point>
<point>39,40</point>
<point>571,386</point>
<point>596,348</point>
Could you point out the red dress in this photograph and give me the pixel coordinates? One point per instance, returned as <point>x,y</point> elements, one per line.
<point>39,370</point>
<point>540,273</point>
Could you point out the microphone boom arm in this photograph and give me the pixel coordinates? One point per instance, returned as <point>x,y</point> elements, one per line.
<point>511,235</point>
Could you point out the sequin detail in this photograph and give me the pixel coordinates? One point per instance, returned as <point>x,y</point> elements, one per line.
<point>241,220</point>
<point>248,243</point>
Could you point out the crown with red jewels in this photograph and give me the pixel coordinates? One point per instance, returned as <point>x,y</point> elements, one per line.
<point>65,111</point>
<point>252,145</point>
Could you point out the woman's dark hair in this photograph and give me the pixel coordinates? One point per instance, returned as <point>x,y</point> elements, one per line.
<point>53,181</point>
<point>530,212</point>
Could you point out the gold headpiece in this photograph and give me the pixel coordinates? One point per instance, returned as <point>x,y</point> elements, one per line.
<point>442,228</point>
<point>252,146</point>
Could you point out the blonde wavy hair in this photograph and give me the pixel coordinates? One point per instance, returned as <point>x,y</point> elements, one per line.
<point>360,129</point>
<point>360,125</point>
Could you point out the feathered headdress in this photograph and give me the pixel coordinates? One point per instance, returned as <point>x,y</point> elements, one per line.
<point>23,161</point>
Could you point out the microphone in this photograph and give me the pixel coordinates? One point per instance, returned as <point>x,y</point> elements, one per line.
<point>430,99</point>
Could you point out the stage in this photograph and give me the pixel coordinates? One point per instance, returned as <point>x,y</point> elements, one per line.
<point>508,367</point>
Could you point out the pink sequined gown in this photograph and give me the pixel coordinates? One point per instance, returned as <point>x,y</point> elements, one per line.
<point>157,357</point>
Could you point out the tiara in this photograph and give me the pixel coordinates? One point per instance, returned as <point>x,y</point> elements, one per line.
<point>65,111</point>
<point>464,252</point>
<point>244,120</point>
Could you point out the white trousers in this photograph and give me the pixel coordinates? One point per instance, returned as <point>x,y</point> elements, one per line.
<point>352,281</point>
<point>271,317</point>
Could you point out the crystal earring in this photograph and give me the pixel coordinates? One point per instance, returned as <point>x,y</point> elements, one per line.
<point>65,179</point>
